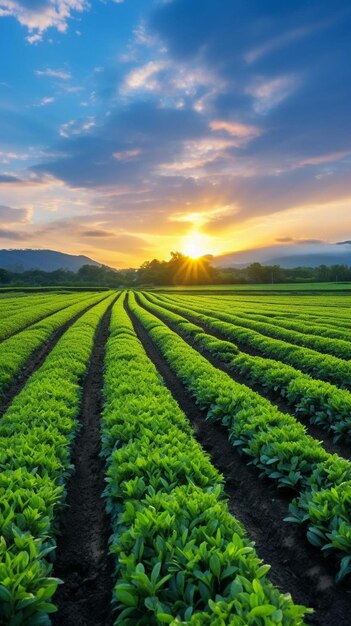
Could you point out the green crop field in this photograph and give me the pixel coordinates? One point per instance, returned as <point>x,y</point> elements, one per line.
<point>321,288</point>
<point>180,457</point>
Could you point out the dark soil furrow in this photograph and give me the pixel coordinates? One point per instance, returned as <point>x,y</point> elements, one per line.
<point>36,360</point>
<point>297,567</point>
<point>314,430</point>
<point>82,559</point>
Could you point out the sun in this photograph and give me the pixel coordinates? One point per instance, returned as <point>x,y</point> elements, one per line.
<point>194,245</point>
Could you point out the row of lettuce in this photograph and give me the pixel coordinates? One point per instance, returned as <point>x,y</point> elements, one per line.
<point>36,434</point>
<point>319,401</point>
<point>275,442</point>
<point>181,558</point>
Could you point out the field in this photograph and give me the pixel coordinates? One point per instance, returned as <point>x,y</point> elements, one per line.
<point>281,287</point>
<point>174,457</point>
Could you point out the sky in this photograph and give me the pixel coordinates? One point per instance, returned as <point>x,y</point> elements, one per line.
<point>132,128</point>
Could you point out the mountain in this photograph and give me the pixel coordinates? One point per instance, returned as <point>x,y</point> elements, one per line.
<point>311,254</point>
<point>45,260</point>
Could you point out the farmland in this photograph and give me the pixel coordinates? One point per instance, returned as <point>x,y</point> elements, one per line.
<point>174,457</point>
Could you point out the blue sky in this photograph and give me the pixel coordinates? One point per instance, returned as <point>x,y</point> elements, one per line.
<point>129,129</point>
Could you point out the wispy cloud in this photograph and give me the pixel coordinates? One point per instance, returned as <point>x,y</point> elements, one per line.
<point>45,101</point>
<point>144,77</point>
<point>325,158</point>
<point>125,155</point>
<point>268,94</point>
<point>77,127</point>
<point>52,73</point>
<point>243,132</point>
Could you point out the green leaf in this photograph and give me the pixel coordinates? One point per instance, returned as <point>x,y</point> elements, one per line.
<point>5,594</point>
<point>261,611</point>
<point>215,564</point>
<point>164,618</point>
<point>126,597</point>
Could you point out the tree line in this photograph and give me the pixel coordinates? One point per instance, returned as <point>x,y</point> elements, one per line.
<point>179,270</point>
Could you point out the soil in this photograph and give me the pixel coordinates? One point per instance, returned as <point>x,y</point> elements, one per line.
<point>35,361</point>
<point>297,567</point>
<point>317,432</point>
<point>82,559</point>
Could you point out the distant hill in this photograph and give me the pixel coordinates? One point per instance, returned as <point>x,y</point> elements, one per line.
<point>291,255</point>
<point>45,260</point>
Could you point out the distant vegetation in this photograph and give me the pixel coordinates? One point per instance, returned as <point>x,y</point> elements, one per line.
<point>179,270</point>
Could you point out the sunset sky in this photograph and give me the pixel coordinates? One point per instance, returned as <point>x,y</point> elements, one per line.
<point>132,128</point>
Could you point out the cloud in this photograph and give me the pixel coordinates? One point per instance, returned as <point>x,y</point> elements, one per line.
<point>45,101</point>
<point>144,77</point>
<point>8,215</point>
<point>39,15</point>
<point>12,234</point>
<point>127,154</point>
<point>97,233</point>
<point>9,178</point>
<point>301,242</point>
<point>7,156</point>
<point>293,82</point>
<point>325,158</point>
<point>230,116</point>
<point>52,73</point>
<point>77,127</point>
<point>236,129</point>
<point>268,94</point>
<point>158,133</point>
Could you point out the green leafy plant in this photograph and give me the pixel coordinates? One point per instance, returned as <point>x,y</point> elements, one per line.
<point>181,558</point>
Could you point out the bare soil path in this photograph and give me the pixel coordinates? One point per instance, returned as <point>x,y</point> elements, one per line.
<point>82,559</point>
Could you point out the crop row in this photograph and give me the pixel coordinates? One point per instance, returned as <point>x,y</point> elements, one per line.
<point>12,306</point>
<point>320,366</point>
<point>333,318</point>
<point>318,325</point>
<point>335,347</point>
<point>35,312</point>
<point>181,557</point>
<point>16,351</point>
<point>319,401</point>
<point>275,442</point>
<point>309,327</point>
<point>36,433</point>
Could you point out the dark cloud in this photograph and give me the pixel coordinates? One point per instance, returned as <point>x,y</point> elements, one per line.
<point>96,233</point>
<point>311,242</point>
<point>12,234</point>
